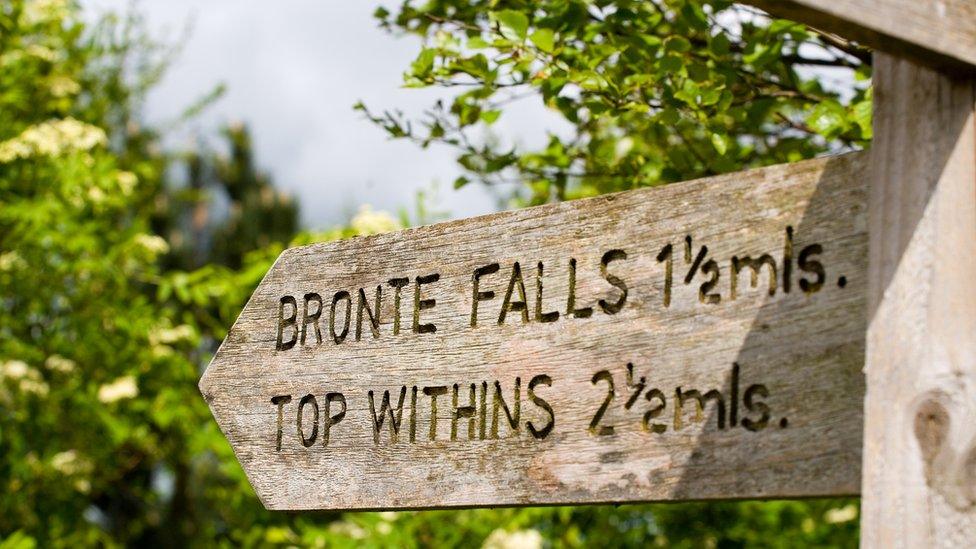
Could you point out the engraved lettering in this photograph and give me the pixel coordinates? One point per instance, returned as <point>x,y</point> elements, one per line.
<point>333,419</point>
<point>308,441</point>
<point>734,408</point>
<point>423,304</point>
<point>459,412</point>
<point>280,402</point>
<point>788,260</point>
<point>339,337</point>
<point>810,266</point>
<point>498,402</point>
<point>617,282</point>
<point>540,316</point>
<point>413,414</point>
<point>681,397</point>
<point>752,405</point>
<point>374,318</point>
<point>654,412</point>
<point>479,296</point>
<point>312,318</point>
<point>515,282</point>
<point>571,309</point>
<point>542,433</point>
<point>765,260</point>
<point>705,294</point>
<point>386,410</point>
<point>595,427</point>
<point>397,284</point>
<point>665,257</point>
<point>483,410</point>
<point>290,321</point>
<point>433,393</point>
<point>636,387</point>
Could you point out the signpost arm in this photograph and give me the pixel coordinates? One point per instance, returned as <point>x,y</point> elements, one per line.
<point>919,471</point>
<point>936,33</point>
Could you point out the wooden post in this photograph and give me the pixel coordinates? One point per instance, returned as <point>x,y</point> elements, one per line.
<point>919,471</point>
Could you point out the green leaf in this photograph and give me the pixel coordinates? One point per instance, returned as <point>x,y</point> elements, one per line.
<point>461,181</point>
<point>670,116</point>
<point>544,39</point>
<point>764,53</point>
<point>718,141</point>
<point>719,44</point>
<point>690,93</point>
<point>829,119</point>
<point>780,25</point>
<point>477,43</point>
<point>489,117</point>
<point>698,72</point>
<point>862,117</point>
<point>424,62</point>
<point>514,24</point>
<point>677,43</point>
<point>670,63</point>
<point>710,96</point>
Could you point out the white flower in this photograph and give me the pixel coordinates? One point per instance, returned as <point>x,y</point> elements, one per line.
<point>167,336</point>
<point>367,222</point>
<point>346,528</point>
<point>161,351</point>
<point>152,243</point>
<point>65,462</point>
<point>52,138</point>
<point>58,363</point>
<point>15,369</point>
<point>127,181</point>
<point>96,195</point>
<point>520,539</point>
<point>35,386</point>
<point>11,260</point>
<point>28,379</point>
<point>62,86</point>
<point>41,52</point>
<point>841,514</point>
<point>124,387</point>
<point>70,463</point>
<point>41,11</point>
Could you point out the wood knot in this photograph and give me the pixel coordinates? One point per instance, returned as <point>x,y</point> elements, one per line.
<point>931,428</point>
<point>949,457</point>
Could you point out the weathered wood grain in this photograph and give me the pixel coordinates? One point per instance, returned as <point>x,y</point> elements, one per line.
<point>797,352</point>
<point>919,486</point>
<point>938,33</point>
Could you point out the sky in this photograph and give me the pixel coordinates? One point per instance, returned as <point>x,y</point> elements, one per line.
<point>293,71</point>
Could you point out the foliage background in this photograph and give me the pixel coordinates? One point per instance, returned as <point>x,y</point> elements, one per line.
<point>120,271</point>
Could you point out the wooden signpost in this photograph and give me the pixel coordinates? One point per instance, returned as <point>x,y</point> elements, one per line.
<point>647,345</point>
<point>701,340</point>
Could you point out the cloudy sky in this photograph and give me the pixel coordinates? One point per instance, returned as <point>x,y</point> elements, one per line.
<point>293,71</point>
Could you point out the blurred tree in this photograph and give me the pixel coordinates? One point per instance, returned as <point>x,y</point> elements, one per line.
<point>227,208</point>
<point>88,362</point>
<point>259,214</point>
<point>103,437</point>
